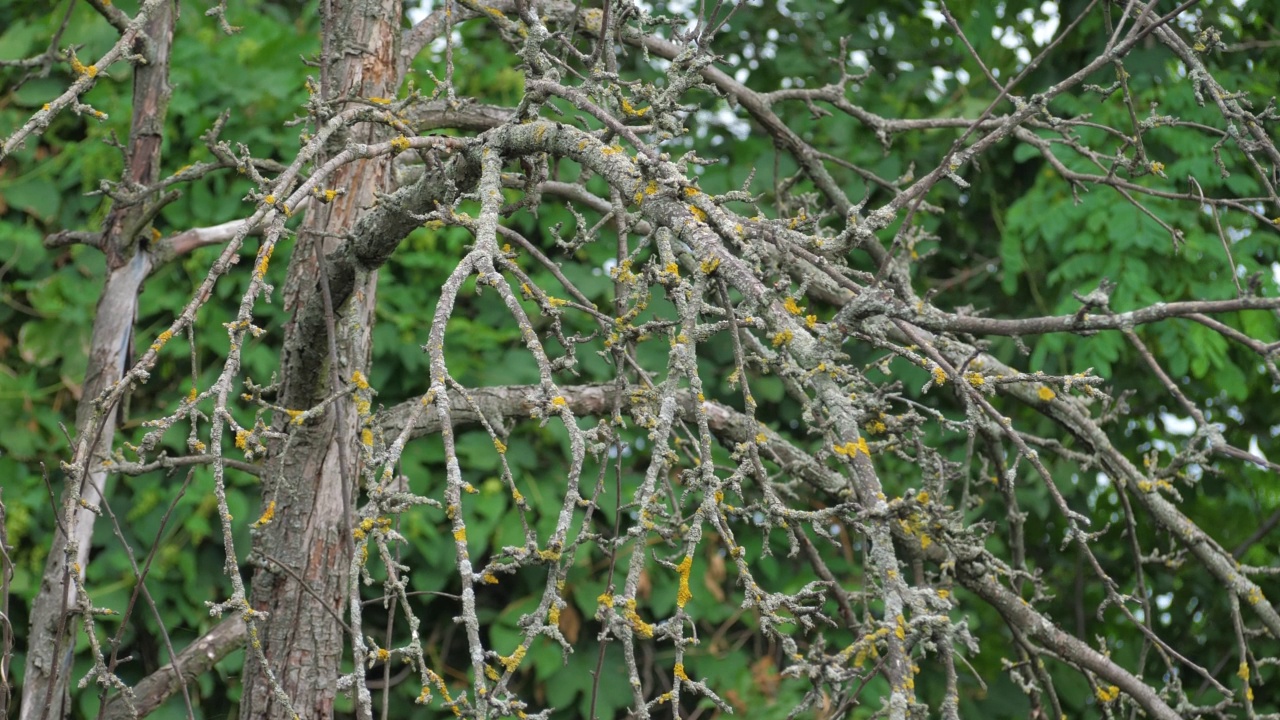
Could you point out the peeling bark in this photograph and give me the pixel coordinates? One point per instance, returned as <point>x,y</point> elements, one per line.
<point>50,638</point>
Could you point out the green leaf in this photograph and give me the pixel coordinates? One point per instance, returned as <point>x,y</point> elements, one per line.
<point>1024,152</point>
<point>34,195</point>
<point>39,91</point>
<point>1013,263</point>
<point>18,41</point>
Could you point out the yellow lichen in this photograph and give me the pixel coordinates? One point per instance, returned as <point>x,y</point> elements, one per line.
<point>849,449</point>
<point>82,69</point>
<point>683,595</point>
<point>641,628</point>
<point>267,514</point>
<point>512,661</point>
<point>631,110</point>
<point>164,337</point>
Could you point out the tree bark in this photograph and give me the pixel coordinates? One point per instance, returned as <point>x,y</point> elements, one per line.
<point>312,477</point>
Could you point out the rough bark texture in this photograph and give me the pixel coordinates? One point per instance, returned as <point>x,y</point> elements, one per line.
<point>128,264</point>
<point>310,473</point>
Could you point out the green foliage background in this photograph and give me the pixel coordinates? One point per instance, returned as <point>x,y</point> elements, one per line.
<point>1018,242</point>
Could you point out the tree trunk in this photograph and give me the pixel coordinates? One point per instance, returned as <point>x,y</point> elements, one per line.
<point>309,475</point>
<point>51,637</point>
